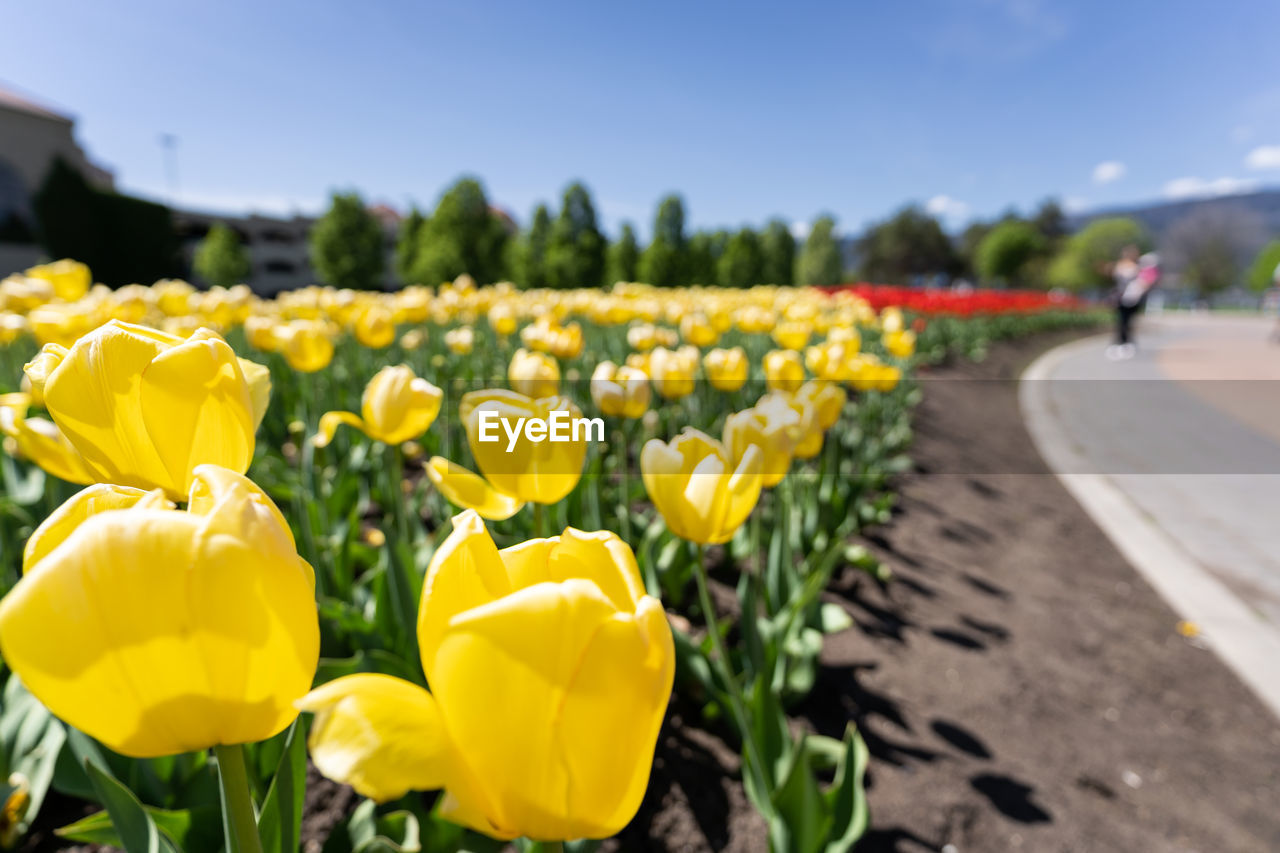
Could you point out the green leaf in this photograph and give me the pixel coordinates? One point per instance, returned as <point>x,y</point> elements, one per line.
<point>280,821</point>
<point>134,826</point>
<point>847,797</point>
<point>195,830</point>
<point>801,805</point>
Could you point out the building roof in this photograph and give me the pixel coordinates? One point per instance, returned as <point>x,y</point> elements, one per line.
<point>12,100</point>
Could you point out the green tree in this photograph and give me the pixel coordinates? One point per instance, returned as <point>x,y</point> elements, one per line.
<point>1262,273</point>
<point>624,256</point>
<point>576,250</point>
<point>820,260</point>
<point>664,262</point>
<point>910,243</point>
<point>702,256</point>
<point>462,236</point>
<point>408,243</point>
<point>1083,262</point>
<point>1007,253</point>
<point>742,263</point>
<point>220,258</point>
<point>529,252</point>
<point>348,245</point>
<point>778,250</point>
<point>1050,221</point>
<point>967,246</point>
<point>1210,246</point>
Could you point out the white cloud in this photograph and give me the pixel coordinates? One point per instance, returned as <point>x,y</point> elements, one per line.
<point>1108,171</point>
<point>1264,157</point>
<point>232,203</point>
<point>1200,188</point>
<point>946,207</point>
<point>1074,204</point>
<point>800,229</point>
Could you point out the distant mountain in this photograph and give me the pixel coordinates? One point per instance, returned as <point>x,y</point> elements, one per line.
<point>1263,207</point>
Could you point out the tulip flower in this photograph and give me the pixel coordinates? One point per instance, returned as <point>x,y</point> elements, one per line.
<point>70,279</point>
<point>697,330</point>
<point>466,489</point>
<point>460,341</point>
<point>891,319</point>
<point>534,374</point>
<point>533,471</point>
<point>307,345</point>
<point>160,631</point>
<point>792,335</point>
<point>900,344</point>
<point>550,670</point>
<point>12,327</point>
<point>620,391</point>
<point>144,408</point>
<point>502,319</point>
<point>806,428</point>
<point>772,431</point>
<point>783,370</point>
<point>701,494</point>
<point>726,369</point>
<point>397,406</point>
<point>642,337</point>
<point>375,328</point>
<point>827,399</point>
<point>40,441</point>
<point>673,371</point>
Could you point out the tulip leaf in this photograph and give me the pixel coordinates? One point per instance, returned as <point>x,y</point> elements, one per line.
<point>195,830</point>
<point>280,821</point>
<point>134,825</point>
<point>848,796</point>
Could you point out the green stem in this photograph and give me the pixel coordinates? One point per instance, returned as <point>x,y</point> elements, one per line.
<point>545,847</point>
<point>538,529</point>
<point>724,669</point>
<point>238,819</point>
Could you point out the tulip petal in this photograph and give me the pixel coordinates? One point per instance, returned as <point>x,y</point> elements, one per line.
<point>197,408</point>
<point>85,504</point>
<point>259,378</point>
<point>469,490</point>
<point>329,423</point>
<point>601,557</point>
<point>381,735</point>
<point>520,651</point>
<point>465,572</point>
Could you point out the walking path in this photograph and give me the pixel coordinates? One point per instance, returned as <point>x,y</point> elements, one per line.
<point>1176,455</point>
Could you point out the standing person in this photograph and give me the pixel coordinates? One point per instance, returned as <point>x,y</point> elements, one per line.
<point>1275,303</point>
<point>1124,273</point>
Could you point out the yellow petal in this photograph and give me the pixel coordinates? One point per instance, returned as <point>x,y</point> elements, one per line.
<point>84,504</point>
<point>465,572</point>
<point>329,423</point>
<point>378,734</point>
<point>468,490</point>
<point>259,378</point>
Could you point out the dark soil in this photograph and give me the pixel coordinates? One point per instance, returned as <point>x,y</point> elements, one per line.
<point>1018,684</point>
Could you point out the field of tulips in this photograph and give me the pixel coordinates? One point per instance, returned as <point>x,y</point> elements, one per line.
<point>454,547</point>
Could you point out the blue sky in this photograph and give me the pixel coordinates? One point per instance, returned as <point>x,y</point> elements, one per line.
<point>750,110</point>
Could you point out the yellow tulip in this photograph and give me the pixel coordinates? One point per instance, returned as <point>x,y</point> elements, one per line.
<point>12,327</point>
<point>900,344</point>
<point>891,319</point>
<point>397,406</point>
<point>701,494</point>
<point>550,670</point>
<point>620,392</point>
<point>534,374</point>
<point>145,408</point>
<point>783,370</point>
<point>502,319</point>
<point>529,470</point>
<point>772,431</point>
<point>869,374</point>
<point>70,279</point>
<point>674,371</point>
<point>697,330</point>
<point>726,369</point>
<point>375,328</point>
<point>792,335</point>
<point>460,341</point>
<point>469,490</point>
<point>262,333</point>
<point>806,429</point>
<point>827,399</point>
<point>307,346</point>
<point>642,336</point>
<point>40,441</point>
<point>160,631</point>
<point>413,339</point>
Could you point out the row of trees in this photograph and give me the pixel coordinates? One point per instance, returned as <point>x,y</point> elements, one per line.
<point>559,249</point>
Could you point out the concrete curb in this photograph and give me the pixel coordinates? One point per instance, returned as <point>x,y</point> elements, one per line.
<point>1246,642</point>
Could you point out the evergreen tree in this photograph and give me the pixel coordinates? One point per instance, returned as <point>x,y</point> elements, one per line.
<point>703,252</point>
<point>624,256</point>
<point>462,236</point>
<point>665,262</point>
<point>911,243</point>
<point>820,261</point>
<point>529,251</point>
<point>742,263</point>
<point>220,258</point>
<point>407,244</point>
<point>348,245</point>
<point>778,251</point>
<point>576,250</point>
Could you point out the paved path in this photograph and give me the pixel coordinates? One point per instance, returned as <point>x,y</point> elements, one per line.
<point>1176,454</point>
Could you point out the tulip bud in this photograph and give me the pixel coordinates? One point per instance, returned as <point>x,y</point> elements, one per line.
<point>620,391</point>
<point>534,471</point>
<point>693,482</point>
<point>397,406</point>
<point>783,370</point>
<point>534,374</point>
<point>727,369</point>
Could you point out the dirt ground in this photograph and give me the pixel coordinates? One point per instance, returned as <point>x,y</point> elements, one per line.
<point>1018,684</point>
